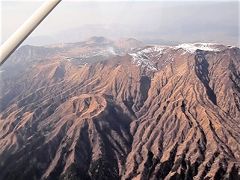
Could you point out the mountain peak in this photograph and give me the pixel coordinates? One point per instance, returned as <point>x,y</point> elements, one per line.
<point>98,40</point>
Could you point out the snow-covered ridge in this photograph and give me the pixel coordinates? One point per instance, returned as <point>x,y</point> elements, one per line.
<point>191,48</point>
<point>142,57</point>
<point>153,49</point>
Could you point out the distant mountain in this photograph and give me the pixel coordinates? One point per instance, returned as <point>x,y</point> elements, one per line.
<point>105,109</point>
<point>115,32</point>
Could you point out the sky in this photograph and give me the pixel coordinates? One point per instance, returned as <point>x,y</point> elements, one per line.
<point>149,21</point>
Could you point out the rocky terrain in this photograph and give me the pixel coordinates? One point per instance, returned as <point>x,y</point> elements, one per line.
<point>102,109</point>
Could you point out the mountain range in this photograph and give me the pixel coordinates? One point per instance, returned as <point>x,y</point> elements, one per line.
<point>104,109</point>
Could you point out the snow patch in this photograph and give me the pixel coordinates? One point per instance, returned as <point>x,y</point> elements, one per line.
<point>68,59</point>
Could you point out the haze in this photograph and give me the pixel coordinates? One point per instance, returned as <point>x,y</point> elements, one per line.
<point>152,22</point>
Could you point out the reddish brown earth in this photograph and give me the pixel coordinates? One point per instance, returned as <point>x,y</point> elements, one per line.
<point>153,113</point>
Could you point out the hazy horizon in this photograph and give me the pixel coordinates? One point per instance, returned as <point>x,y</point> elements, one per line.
<point>153,22</point>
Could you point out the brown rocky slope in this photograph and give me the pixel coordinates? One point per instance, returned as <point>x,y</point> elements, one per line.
<point>153,113</point>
